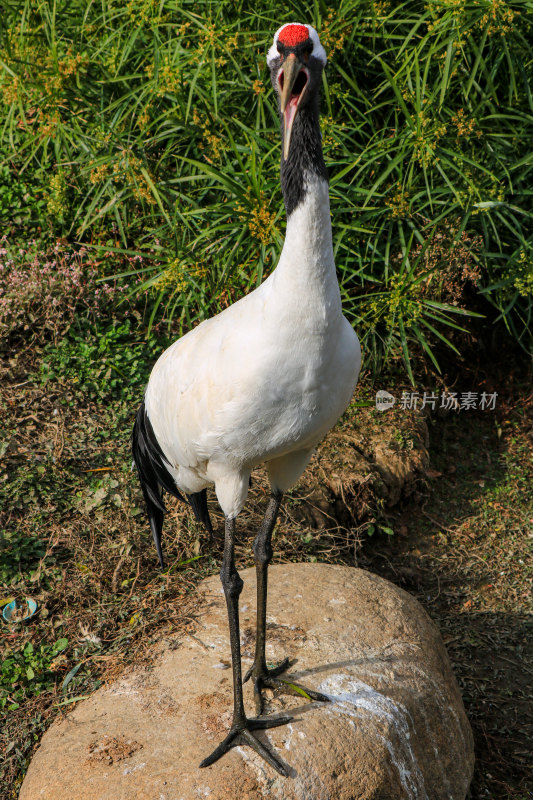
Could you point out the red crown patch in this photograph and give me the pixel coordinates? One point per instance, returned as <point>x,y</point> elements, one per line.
<point>293,35</point>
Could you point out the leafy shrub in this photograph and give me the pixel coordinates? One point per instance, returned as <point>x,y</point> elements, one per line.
<point>43,289</point>
<point>19,203</point>
<point>103,361</point>
<point>18,552</point>
<point>153,122</point>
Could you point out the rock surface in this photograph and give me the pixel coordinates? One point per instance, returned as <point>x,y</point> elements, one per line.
<point>395,728</point>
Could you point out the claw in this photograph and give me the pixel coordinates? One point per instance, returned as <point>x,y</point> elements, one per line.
<point>269,680</point>
<point>265,753</point>
<point>241,734</point>
<point>248,674</point>
<point>273,672</point>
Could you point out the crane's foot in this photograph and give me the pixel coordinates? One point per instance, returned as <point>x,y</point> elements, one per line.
<point>241,734</point>
<point>268,679</point>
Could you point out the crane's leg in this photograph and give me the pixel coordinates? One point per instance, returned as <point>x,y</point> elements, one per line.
<point>241,727</point>
<point>262,676</point>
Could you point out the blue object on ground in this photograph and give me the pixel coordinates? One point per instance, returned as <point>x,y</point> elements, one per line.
<point>11,608</point>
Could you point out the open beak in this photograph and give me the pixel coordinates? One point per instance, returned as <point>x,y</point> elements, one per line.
<point>293,79</point>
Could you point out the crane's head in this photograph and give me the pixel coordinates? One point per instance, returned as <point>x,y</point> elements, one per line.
<point>296,60</point>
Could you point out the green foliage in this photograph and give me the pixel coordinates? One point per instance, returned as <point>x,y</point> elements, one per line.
<point>19,204</point>
<point>18,553</point>
<point>103,361</point>
<point>28,671</point>
<point>154,121</point>
<point>372,528</point>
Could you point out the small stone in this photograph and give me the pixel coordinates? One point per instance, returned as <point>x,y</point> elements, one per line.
<point>394,729</point>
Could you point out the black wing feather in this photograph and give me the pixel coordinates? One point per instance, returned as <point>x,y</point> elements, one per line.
<point>154,477</point>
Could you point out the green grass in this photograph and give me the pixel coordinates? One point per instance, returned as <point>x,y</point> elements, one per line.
<point>150,128</point>
<point>30,670</point>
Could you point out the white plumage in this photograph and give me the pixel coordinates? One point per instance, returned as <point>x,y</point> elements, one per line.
<point>264,380</point>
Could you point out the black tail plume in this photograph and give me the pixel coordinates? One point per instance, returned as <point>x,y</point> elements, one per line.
<point>198,502</point>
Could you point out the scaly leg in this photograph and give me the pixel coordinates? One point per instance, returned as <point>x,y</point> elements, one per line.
<point>241,728</point>
<point>263,677</point>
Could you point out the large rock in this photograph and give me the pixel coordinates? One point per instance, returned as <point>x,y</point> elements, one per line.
<point>395,727</point>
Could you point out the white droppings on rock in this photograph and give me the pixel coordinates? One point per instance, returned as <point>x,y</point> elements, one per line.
<point>131,770</point>
<point>356,699</point>
<point>289,737</point>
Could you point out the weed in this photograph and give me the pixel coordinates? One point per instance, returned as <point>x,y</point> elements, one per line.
<point>29,671</point>
<point>19,553</point>
<point>43,287</point>
<point>102,361</point>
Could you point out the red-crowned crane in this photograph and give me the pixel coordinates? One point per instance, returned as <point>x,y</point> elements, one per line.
<point>260,383</point>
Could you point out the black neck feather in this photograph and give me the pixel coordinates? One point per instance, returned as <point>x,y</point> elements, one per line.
<point>305,156</point>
